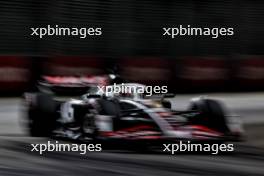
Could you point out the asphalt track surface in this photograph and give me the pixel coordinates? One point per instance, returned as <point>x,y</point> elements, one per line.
<point>16,158</point>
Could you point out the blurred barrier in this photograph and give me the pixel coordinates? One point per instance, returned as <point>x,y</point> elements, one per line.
<point>15,73</point>
<point>185,74</point>
<point>146,70</point>
<point>250,72</point>
<point>201,74</point>
<point>73,66</point>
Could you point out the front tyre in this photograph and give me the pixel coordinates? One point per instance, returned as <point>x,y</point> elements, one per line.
<point>211,113</point>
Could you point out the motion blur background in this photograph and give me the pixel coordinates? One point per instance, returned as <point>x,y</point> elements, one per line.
<point>132,44</point>
<point>132,41</point>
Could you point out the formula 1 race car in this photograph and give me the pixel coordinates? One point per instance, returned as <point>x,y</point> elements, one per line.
<point>130,117</point>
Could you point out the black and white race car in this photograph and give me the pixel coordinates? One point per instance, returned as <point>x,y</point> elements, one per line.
<point>129,117</point>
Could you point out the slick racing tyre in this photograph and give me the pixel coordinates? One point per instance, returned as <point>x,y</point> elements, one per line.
<point>42,116</point>
<point>211,113</point>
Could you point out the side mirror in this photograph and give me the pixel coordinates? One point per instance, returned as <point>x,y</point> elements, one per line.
<point>87,96</point>
<point>169,95</point>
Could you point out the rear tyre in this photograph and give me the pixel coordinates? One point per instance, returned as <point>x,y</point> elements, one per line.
<point>212,114</point>
<point>42,116</point>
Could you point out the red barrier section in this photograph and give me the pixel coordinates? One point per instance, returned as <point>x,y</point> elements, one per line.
<point>71,66</point>
<point>250,72</point>
<point>203,73</point>
<point>188,74</point>
<point>151,71</point>
<point>14,73</point>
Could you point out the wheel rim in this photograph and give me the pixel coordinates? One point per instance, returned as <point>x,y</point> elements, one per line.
<point>88,125</point>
